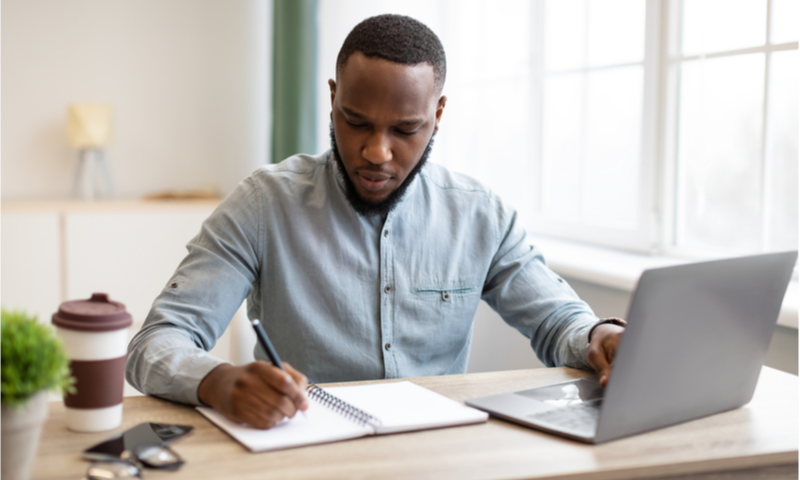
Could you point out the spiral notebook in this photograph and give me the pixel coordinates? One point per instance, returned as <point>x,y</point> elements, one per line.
<point>343,413</point>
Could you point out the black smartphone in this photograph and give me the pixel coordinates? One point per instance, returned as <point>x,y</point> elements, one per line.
<point>129,439</point>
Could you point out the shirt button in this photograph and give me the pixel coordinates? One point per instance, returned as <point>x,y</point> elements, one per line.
<point>386,233</point>
<point>445,296</point>
<point>388,346</point>
<point>387,288</point>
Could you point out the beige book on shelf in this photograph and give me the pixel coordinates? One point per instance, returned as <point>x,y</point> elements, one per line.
<point>343,413</point>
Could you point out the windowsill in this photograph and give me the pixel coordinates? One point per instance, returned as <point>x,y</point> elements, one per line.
<point>621,270</point>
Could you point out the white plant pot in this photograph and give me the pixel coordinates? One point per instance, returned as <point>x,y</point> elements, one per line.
<point>21,428</point>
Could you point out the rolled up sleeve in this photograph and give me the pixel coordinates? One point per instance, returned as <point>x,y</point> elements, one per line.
<point>535,300</point>
<point>169,356</point>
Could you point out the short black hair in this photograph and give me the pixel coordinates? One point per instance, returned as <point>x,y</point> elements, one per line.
<point>399,39</point>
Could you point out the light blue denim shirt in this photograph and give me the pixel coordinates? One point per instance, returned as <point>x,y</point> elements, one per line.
<point>346,297</point>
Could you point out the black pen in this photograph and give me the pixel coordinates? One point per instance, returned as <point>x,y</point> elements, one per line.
<point>263,339</point>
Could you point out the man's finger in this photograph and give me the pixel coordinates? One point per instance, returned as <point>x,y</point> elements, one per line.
<point>282,390</point>
<point>604,377</point>
<point>250,406</point>
<point>302,383</point>
<point>598,361</point>
<point>602,350</point>
<point>260,417</point>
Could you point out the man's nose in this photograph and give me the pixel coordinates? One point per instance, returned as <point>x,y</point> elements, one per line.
<point>378,149</point>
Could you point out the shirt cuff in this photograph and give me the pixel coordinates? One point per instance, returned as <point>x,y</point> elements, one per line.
<point>610,320</point>
<point>576,353</point>
<point>191,372</point>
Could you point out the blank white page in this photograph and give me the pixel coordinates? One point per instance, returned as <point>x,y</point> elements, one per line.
<point>405,406</point>
<point>322,426</point>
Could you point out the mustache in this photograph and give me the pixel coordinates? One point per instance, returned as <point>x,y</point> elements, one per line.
<point>362,206</point>
<point>373,169</point>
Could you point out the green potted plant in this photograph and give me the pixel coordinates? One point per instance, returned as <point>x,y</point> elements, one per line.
<point>33,363</point>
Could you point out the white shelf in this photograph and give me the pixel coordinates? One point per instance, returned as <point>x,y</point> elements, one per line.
<point>57,205</point>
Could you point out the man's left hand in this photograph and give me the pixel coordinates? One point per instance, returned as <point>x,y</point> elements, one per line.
<point>602,348</point>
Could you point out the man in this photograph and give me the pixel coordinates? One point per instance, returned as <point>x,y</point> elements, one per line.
<point>364,262</point>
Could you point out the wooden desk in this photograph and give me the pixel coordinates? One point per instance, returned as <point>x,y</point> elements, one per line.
<point>756,441</point>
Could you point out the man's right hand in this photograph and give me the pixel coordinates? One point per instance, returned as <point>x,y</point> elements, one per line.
<point>258,394</point>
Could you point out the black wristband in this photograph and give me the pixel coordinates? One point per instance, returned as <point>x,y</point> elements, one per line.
<point>612,320</point>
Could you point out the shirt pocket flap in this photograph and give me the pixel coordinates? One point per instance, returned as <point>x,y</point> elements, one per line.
<point>445,292</point>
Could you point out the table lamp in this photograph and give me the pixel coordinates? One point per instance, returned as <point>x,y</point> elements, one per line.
<point>89,130</point>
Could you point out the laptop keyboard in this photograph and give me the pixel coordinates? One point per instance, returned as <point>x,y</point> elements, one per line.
<point>581,417</point>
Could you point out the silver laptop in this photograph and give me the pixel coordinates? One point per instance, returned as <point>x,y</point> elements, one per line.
<point>696,339</point>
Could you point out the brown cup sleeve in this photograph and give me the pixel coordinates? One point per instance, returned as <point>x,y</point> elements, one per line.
<point>99,383</point>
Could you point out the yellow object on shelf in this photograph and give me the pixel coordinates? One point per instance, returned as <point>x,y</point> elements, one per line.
<point>89,125</point>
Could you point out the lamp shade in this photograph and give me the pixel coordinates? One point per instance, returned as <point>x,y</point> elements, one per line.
<point>89,125</point>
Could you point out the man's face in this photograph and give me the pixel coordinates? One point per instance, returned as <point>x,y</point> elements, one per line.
<point>384,115</point>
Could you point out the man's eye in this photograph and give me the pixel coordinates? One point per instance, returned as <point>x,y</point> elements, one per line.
<point>403,132</point>
<point>355,125</point>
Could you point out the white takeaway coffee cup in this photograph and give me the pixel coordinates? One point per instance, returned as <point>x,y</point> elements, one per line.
<point>95,335</point>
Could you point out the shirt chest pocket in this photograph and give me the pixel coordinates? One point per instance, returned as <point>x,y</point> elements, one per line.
<point>444,311</point>
<point>445,293</point>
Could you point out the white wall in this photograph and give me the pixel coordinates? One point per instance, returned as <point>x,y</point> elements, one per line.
<point>188,80</point>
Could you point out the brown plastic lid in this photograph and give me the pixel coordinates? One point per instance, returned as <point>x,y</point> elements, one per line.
<point>97,314</point>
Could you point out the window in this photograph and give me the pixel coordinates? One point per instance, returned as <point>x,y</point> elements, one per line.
<point>733,67</point>
<point>697,99</point>
<point>666,126</point>
<point>595,142</point>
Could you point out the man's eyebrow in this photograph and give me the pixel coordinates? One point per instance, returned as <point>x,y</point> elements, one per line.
<point>405,122</point>
<point>353,113</point>
<point>411,122</point>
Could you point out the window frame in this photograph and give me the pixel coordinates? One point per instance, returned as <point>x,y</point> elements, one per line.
<point>645,238</point>
<point>672,61</point>
<point>658,232</point>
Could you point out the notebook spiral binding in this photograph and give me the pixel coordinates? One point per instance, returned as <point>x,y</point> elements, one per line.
<point>341,407</point>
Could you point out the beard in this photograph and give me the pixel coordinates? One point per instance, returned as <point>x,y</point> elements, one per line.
<point>368,208</point>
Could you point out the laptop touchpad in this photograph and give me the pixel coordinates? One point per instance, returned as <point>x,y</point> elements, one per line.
<point>576,392</point>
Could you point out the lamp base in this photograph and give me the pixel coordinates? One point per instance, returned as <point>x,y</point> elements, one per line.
<point>85,178</point>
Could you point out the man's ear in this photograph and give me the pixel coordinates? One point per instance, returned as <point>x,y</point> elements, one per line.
<point>439,110</point>
<point>332,86</point>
